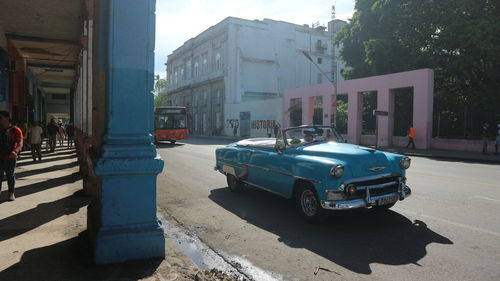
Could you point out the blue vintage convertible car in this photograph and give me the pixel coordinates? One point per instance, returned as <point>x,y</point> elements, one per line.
<point>314,166</point>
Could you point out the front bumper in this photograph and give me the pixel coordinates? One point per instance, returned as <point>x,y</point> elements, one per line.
<point>369,201</point>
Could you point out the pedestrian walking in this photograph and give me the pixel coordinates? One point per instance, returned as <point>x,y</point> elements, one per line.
<point>52,130</point>
<point>484,134</point>
<point>11,143</point>
<point>35,140</point>
<point>70,132</point>
<point>411,137</point>
<point>276,130</point>
<point>235,131</point>
<point>497,140</point>
<point>61,134</point>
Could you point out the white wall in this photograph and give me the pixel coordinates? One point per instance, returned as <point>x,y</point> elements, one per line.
<point>262,114</point>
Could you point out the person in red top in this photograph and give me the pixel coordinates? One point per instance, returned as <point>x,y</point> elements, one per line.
<point>11,142</point>
<point>411,137</point>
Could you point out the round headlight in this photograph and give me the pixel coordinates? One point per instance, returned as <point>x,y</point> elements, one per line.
<point>405,163</point>
<point>337,171</point>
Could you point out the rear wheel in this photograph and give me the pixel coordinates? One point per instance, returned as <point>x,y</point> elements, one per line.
<point>234,184</point>
<point>308,203</point>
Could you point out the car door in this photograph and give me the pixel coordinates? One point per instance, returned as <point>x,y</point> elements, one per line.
<point>270,170</point>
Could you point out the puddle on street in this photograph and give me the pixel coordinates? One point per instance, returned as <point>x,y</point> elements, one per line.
<point>206,258</point>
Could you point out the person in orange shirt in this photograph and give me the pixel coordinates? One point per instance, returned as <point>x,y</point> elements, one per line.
<point>11,143</point>
<point>411,137</point>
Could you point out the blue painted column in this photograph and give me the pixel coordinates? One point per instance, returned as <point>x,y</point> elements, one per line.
<point>122,218</point>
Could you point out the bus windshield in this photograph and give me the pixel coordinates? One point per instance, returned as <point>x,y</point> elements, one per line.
<point>170,118</point>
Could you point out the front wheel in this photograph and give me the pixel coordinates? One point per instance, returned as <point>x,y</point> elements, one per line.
<point>308,204</point>
<point>383,207</point>
<point>234,184</point>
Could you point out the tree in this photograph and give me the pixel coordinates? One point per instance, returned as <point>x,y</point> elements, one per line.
<point>160,83</point>
<point>459,39</point>
<point>296,114</point>
<point>318,115</point>
<point>160,100</point>
<point>160,97</point>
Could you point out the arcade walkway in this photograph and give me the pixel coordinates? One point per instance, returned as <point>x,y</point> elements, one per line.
<point>43,232</point>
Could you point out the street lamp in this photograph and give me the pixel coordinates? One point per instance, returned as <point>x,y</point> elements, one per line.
<point>328,78</point>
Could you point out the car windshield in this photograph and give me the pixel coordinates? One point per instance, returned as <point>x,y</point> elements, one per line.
<point>311,134</point>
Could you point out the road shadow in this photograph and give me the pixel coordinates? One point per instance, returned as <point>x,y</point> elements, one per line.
<point>41,185</point>
<point>72,260</point>
<point>168,145</point>
<point>27,162</point>
<point>54,168</point>
<point>43,213</point>
<point>352,239</point>
<point>207,141</point>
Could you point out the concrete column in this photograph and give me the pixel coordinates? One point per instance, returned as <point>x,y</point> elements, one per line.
<point>122,217</point>
<point>327,109</point>
<point>306,107</point>
<point>355,100</point>
<point>422,108</point>
<point>384,133</point>
<point>286,112</point>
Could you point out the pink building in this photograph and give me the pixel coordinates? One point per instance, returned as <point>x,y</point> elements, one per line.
<point>422,82</point>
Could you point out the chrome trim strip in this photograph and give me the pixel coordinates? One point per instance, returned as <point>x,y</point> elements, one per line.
<point>282,173</point>
<point>266,189</point>
<point>375,186</point>
<point>362,203</point>
<point>372,177</point>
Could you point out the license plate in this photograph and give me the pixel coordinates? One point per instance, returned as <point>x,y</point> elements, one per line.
<point>387,200</point>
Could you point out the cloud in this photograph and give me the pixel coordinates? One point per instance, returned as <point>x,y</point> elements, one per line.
<point>179,20</point>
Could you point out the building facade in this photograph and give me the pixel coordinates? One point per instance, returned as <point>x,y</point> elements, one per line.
<point>232,76</point>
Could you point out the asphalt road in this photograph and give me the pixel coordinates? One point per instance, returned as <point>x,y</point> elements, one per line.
<point>448,230</point>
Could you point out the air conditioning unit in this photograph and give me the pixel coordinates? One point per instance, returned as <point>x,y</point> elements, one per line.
<point>12,67</point>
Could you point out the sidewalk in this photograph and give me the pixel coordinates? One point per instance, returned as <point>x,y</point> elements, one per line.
<point>43,232</point>
<point>468,156</point>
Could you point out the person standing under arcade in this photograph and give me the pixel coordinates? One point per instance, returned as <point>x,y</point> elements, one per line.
<point>11,143</point>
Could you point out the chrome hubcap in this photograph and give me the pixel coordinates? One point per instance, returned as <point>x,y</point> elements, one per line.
<point>309,203</point>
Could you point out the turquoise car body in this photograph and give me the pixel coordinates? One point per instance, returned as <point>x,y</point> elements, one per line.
<point>375,174</point>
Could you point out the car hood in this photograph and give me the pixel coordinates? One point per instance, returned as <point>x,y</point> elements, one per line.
<point>359,158</point>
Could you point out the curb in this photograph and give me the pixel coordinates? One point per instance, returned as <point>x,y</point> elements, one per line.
<point>448,157</point>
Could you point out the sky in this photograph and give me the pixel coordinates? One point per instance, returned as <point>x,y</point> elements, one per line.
<point>179,20</point>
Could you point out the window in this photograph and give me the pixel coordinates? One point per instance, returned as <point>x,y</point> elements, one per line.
<point>195,100</point>
<point>217,62</point>
<point>217,97</point>
<point>320,60</point>
<point>204,66</point>
<point>217,120</point>
<point>175,78</point>
<point>188,69</point>
<point>205,98</point>
<point>183,77</point>
<point>319,79</point>
<point>196,68</point>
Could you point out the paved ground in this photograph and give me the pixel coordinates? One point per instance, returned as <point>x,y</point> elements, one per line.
<point>448,230</point>
<point>43,233</point>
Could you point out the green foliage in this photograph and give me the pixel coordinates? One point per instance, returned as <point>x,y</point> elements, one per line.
<point>459,39</point>
<point>318,115</point>
<point>341,116</point>
<point>296,115</point>
<point>160,100</point>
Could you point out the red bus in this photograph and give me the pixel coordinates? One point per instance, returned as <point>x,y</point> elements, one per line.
<point>170,123</point>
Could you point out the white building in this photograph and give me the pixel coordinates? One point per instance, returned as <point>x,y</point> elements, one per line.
<point>233,75</point>
<point>334,27</point>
